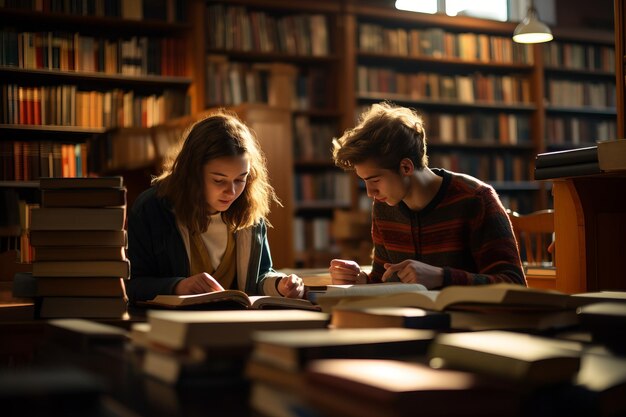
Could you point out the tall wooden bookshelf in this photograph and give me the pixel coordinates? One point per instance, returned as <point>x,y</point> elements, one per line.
<point>70,71</point>
<point>580,94</point>
<point>287,55</point>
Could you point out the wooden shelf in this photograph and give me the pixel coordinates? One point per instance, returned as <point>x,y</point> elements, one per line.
<point>444,104</point>
<point>582,111</point>
<point>431,62</point>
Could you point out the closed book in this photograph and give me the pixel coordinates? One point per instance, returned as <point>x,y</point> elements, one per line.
<point>83,334</point>
<point>227,299</point>
<point>603,379</point>
<point>612,155</point>
<point>564,171</point>
<point>414,318</point>
<point>180,329</point>
<point>606,321</point>
<point>78,238</point>
<point>89,197</point>
<point>117,269</point>
<point>110,218</point>
<point>79,253</point>
<point>567,157</point>
<point>26,285</point>
<point>51,183</point>
<point>294,349</point>
<point>83,307</point>
<point>525,358</point>
<point>390,388</point>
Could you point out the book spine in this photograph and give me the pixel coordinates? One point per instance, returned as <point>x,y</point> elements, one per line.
<point>572,170</point>
<point>569,157</point>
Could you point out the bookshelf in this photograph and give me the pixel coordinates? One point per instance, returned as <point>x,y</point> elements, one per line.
<point>286,55</point>
<point>580,93</point>
<point>454,71</point>
<point>72,71</point>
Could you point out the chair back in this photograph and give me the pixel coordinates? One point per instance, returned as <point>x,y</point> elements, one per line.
<point>534,234</point>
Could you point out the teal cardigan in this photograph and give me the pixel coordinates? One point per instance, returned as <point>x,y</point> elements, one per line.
<point>158,256</point>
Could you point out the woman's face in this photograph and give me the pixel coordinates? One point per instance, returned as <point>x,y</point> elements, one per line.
<point>224,181</point>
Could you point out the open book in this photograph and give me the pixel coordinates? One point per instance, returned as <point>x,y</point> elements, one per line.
<point>505,296</point>
<point>226,300</point>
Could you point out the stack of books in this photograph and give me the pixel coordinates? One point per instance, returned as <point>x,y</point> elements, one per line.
<point>279,359</point>
<point>567,163</point>
<point>190,347</point>
<point>79,241</point>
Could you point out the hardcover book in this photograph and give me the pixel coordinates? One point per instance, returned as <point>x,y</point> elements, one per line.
<point>521,357</point>
<point>227,299</point>
<point>225,329</point>
<point>294,349</point>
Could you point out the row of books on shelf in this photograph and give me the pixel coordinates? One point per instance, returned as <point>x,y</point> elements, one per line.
<point>477,87</point>
<point>236,28</point>
<point>312,139</point>
<point>232,83</point>
<point>500,128</point>
<point>164,10</point>
<point>489,168</point>
<point>568,93</point>
<point>312,234</point>
<point>66,105</point>
<point>78,240</point>
<point>332,187</point>
<point>579,56</point>
<point>439,43</point>
<point>573,131</point>
<point>74,52</point>
<point>31,160</point>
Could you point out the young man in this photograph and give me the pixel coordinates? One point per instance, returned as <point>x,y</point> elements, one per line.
<point>429,226</point>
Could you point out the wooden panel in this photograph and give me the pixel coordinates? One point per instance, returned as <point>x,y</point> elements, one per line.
<point>274,131</point>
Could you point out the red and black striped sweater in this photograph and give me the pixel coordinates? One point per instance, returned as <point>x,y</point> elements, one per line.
<point>464,229</point>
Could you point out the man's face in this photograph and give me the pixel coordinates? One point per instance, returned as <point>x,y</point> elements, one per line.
<point>383,185</point>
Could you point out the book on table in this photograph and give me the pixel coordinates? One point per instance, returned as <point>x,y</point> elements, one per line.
<point>509,296</point>
<point>292,350</point>
<point>79,253</point>
<point>118,269</point>
<point>391,388</point>
<point>225,329</point>
<point>55,183</point>
<point>84,197</point>
<point>227,299</point>
<point>83,307</point>
<point>83,334</point>
<point>72,218</point>
<point>64,238</point>
<point>525,358</point>
<point>409,317</point>
<point>26,285</point>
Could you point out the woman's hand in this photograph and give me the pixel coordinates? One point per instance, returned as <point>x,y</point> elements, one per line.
<point>291,286</point>
<point>197,284</point>
<point>346,272</point>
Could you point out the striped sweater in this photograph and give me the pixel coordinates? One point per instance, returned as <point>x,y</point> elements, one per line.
<point>464,229</point>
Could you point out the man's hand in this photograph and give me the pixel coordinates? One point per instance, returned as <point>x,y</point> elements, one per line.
<point>345,272</point>
<point>291,286</point>
<point>410,271</point>
<point>197,284</point>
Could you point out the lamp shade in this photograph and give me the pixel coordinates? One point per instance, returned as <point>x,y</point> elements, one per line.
<point>532,30</point>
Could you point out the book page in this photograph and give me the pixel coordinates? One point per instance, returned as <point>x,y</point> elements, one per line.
<point>196,299</point>
<point>422,299</point>
<point>364,290</point>
<point>272,302</point>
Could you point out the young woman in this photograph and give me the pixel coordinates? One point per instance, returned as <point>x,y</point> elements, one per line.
<point>201,227</point>
<point>429,226</point>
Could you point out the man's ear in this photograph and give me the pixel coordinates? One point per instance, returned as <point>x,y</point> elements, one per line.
<point>406,167</point>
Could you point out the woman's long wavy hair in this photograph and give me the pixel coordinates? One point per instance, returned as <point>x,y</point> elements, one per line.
<point>221,134</point>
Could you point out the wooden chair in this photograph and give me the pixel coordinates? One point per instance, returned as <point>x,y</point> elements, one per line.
<point>534,235</point>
